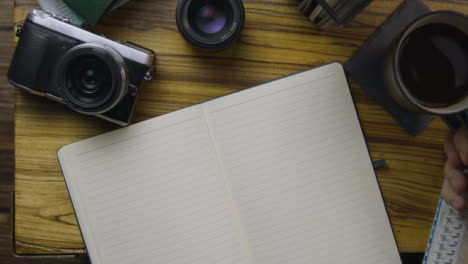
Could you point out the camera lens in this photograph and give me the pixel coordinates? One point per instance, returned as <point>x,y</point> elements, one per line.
<point>210,24</point>
<point>91,79</point>
<point>210,19</point>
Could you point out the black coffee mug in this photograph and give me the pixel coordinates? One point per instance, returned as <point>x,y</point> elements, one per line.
<point>427,67</point>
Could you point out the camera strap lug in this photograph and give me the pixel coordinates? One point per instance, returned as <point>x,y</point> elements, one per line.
<point>19,29</point>
<point>149,74</point>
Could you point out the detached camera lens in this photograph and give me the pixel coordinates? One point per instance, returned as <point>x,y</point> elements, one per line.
<point>91,79</point>
<point>210,19</point>
<point>210,24</point>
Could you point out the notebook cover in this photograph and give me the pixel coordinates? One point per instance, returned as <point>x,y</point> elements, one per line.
<point>366,65</point>
<point>90,10</point>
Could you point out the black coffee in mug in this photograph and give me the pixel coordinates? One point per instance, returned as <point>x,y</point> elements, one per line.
<point>426,70</point>
<point>433,64</point>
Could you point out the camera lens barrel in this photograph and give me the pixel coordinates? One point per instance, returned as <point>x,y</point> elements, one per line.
<point>91,78</point>
<point>210,24</point>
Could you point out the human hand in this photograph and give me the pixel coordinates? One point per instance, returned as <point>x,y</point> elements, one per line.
<point>455,182</point>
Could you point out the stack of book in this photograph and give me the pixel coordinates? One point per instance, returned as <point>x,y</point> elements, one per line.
<point>325,13</point>
<point>80,12</point>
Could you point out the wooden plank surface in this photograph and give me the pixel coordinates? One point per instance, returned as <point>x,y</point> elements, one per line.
<point>276,41</point>
<point>6,105</point>
<point>6,128</point>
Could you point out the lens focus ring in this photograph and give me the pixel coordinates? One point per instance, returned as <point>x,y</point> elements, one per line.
<point>91,78</point>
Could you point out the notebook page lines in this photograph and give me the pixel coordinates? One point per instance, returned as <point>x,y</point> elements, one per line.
<point>275,87</point>
<point>283,89</point>
<point>132,132</point>
<point>238,222</point>
<point>146,161</point>
<point>133,144</point>
<point>300,174</point>
<point>162,201</point>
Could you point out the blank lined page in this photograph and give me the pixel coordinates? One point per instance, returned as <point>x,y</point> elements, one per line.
<point>152,193</point>
<point>297,164</point>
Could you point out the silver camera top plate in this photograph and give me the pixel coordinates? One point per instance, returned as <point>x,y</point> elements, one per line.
<point>63,27</point>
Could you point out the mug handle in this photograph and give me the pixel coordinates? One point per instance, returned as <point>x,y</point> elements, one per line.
<point>456,121</point>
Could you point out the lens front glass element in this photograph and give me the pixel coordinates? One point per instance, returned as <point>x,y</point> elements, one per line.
<point>89,80</point>
<point>210,24</point>
<point>211,18</point>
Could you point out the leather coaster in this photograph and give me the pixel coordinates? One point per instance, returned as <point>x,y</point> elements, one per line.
<point>366,65</point>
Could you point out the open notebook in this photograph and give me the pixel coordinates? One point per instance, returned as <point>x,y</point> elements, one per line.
<point>275,174</point>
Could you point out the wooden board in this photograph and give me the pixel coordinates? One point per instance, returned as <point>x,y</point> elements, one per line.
<point>6,105</point>
<point>6,127</point>
<point>276,41</point>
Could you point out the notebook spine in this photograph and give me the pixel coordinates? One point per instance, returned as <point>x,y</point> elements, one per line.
<point>448,244</point>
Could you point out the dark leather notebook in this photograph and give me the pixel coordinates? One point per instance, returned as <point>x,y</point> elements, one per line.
<point>366,66</point>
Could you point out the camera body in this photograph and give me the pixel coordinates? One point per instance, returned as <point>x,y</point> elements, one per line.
<point>91,74</point>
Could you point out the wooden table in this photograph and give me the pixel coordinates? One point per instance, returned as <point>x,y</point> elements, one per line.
<point>276,41</point>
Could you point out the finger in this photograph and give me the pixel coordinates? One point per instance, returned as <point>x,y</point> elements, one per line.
<point>455,178</point>
<point>461,144</point>
<point>453,157</point>
<point>449,195</point>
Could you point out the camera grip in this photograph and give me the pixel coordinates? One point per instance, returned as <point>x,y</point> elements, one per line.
<point>28,56</point>
<point>36,56</point>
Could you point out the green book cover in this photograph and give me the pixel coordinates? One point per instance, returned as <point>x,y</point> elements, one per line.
<point>118,3</point>
<point>90,10</point>
<point>58,7</point>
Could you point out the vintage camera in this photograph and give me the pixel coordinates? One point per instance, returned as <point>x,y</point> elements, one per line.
<point>91,74</point>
